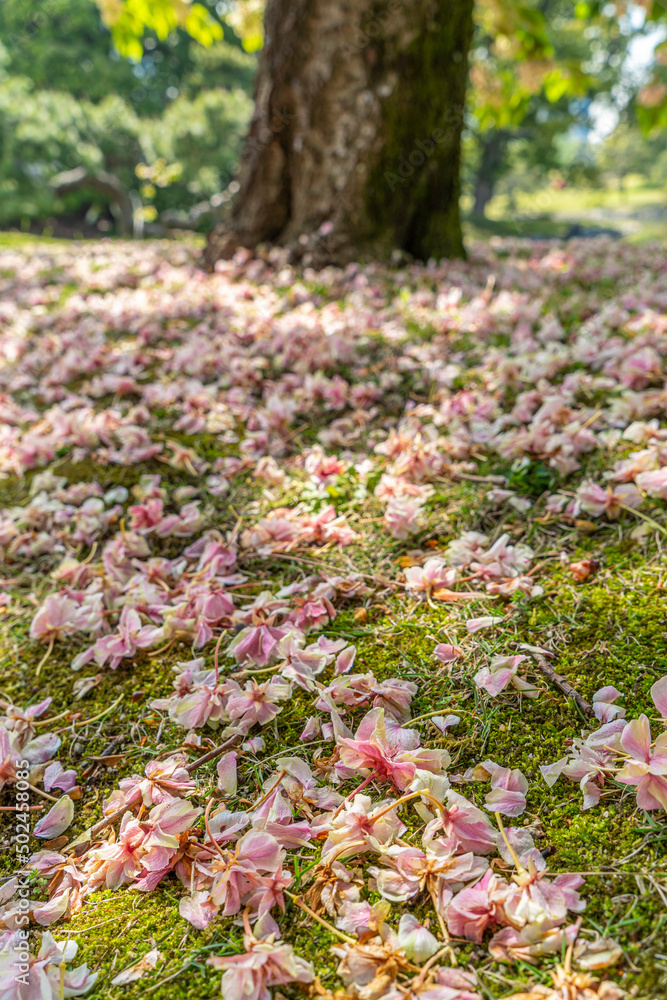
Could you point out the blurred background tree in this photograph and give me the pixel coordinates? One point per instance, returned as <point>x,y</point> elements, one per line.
<point>69,98</point>
<point>543,76</point>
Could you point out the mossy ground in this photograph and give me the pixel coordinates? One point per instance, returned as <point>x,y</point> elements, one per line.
<point>609,630</point>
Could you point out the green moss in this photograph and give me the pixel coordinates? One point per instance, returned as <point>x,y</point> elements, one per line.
<point>610,630</point>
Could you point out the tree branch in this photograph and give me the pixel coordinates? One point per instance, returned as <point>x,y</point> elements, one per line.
<point>120,200</point>
<point>562,684</point>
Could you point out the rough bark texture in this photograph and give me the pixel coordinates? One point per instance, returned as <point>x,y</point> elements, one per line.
<point>354,147</point>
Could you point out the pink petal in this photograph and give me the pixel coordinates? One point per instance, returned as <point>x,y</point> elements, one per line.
<point>311,730</point>
<point>261,849</point>
<point>36,710</point>
<point>46,913</point>
<point>444,723</point>
<point>494,683</point>
<point>345,660</point>
<point>552,772</point>
<point>652,792</point>
<point>659,695</point>
<point>198,910</point>
<point>653,483</point>
<point>504,801</point>
<point>446,653</point>
<point>636,739</point>
<point>55,777</point>
<point>56,820</point>
<point>475,624</point>
<point>607,694</point>
<point>227,773</point>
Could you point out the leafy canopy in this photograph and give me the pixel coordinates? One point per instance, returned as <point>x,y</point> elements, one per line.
<point>129,19</point>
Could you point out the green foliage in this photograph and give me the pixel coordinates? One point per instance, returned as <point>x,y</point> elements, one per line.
<point>43,133</point>
<point>130,19</point>
<point>531,478</point>
<point>68,99</point>
<point>219,65</point>
<point>203,135</point>
<point>543,106</point>
<point>247,19</point>
<point>70,50</point>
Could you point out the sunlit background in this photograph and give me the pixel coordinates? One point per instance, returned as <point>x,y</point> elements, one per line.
<point>133,124</point>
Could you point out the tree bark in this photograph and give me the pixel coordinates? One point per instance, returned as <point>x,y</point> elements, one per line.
<point>121,201</point>
<point>354,146</point>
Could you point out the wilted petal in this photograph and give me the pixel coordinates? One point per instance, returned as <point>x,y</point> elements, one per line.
<point>416,941</point>
<point>56,820</point>
<point>552,772</point>
<point>505,801</point>
<point>476,624</point>
<point>261,849</point>
<point>636,739</point>
<point>140,968</point>
<point>446,653</point>
<point>345,660</point>
<point>198,910</point>
<point>599,954</point>
<point>55,777</point>
<point>446,722</point>
<point>659,696</point>
<point>41,749</point>
<point>603,703</point>
<point>652,792</point>
<point>227,773</point>
<point>311,730</point>
<point>46,913</point>
<point>494,682</point>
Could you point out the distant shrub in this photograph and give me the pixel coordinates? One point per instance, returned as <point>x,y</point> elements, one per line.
<point>43,133</point>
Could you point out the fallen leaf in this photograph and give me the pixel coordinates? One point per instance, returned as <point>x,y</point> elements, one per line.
<point>111,760</point>
<point>587,527</point>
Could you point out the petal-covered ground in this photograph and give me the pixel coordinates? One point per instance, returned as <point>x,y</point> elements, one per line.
<point>332,625</point>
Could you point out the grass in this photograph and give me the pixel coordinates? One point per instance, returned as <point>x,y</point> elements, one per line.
<point>605,632</point>
<point>637,211</point>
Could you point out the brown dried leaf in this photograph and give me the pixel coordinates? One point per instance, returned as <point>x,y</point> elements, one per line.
<point>587,527</point>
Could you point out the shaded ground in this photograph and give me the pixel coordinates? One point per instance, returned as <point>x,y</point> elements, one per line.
<point>539,363</point>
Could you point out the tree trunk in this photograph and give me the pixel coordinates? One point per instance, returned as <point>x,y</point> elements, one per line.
<point>494,145</point>
<point>121,202</point>
<point>354,146</point>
